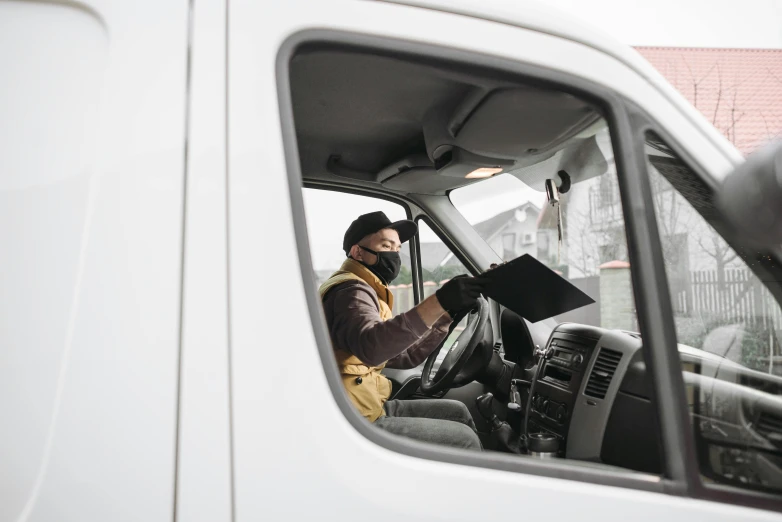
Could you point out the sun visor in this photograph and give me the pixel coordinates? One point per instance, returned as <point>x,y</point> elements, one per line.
<point>508,124</point>
<point>423,181</point>
<point>582,160</point>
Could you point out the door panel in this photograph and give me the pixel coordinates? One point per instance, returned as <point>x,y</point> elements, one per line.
<point>92,135</point>
<point>292,440</point>
<point>204,459</point>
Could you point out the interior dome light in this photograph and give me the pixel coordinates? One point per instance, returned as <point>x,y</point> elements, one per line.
<point>484,172</point>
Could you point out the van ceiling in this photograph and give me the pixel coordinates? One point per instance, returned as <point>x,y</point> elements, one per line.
<point>370,110</point>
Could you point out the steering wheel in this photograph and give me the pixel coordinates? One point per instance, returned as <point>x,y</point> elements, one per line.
<point>459,353</point>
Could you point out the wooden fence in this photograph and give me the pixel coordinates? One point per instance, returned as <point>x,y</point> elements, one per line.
<point>737,297</point>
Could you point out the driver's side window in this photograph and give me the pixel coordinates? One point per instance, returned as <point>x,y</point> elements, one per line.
<point>728,326</point>
<point>329,214</point>
<point>438,265</point>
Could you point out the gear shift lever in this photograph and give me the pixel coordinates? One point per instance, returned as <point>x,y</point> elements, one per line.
<point>483,403</point>
<point>502,437</point>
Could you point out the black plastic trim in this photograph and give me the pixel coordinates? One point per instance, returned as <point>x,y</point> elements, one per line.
<point>533,74</point>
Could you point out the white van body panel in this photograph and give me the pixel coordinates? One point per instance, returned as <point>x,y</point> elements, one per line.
<point>204,460</point>
<point>158,358</point>
<point>326,467</point>
<point>92,138</point>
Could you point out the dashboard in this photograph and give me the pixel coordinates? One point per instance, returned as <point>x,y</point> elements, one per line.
<point>591,392</point>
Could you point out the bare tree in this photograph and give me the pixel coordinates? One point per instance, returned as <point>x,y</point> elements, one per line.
<point>583,251</point>
<point>673,217</point>
<point>595,232</point>
<point>726,96</point>
<point>714,246</point>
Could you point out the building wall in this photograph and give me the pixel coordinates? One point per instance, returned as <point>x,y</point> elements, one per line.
<point>524,234</point>
<point>617,306</point>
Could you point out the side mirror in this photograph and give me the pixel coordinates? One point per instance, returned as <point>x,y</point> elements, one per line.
<point>751,197</point>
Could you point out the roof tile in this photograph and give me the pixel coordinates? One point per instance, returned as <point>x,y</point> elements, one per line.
<point>738,90</point>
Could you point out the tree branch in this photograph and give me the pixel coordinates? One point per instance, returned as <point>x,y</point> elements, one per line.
<point>731,257</point>
<point>694,84</point>
<point>719,96</point>
<point>703,247</point>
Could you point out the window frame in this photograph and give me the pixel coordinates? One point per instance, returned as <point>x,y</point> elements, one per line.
<point>415,242</point>
<point>415,262</point>
<point>644,123</point>
<point>642,239</point>
<point>447,241</point>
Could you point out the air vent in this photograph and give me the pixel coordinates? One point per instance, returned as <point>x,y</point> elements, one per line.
<point>770,426</point>
<point>602,373</point>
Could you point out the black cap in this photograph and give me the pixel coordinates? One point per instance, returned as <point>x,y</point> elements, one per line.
<point>370,223</point>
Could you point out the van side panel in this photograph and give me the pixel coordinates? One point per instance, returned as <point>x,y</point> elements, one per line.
<point>204,463</point>
<point>92,138</point>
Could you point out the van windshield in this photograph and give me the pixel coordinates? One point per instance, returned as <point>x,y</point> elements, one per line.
<point>516,219</point>
<point>505,213</point>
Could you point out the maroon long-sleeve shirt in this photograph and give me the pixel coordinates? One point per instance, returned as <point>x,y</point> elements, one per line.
<point>353,315</point>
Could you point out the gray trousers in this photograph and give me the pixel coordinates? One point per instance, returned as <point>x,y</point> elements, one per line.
<point>439,421</point>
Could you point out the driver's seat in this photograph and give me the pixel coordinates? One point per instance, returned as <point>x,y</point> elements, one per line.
<point>516,339</point>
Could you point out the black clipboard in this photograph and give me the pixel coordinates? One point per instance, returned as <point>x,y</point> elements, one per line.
<point>532,290</point>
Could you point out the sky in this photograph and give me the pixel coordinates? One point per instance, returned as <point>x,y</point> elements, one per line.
<point>683,23</point>
<point>673,23</point>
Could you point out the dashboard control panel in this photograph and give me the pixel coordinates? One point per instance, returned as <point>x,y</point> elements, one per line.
<point>568,354</point>
<point>551,409</point>
<point>556,389</point>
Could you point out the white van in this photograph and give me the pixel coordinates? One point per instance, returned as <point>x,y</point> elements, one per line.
<point>173,176</point>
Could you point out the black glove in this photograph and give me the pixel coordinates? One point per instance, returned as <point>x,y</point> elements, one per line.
<point>460,293</point>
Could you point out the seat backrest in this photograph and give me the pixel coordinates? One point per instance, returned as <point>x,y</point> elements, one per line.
<point>516,338</point>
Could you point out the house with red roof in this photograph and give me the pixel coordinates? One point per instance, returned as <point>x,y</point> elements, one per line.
<point>738,90</point>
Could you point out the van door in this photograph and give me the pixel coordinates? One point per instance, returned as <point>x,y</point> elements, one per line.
<point>298,450</point>
<point>92,140</point>
<point>204,447</point>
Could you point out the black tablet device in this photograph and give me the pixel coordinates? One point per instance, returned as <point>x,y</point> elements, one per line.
<point>532,290</point>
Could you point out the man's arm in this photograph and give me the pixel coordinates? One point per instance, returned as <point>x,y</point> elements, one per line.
<point>419,351</point>
<point>457,294</point>
<point>430,310</point>
<point>352,312</point>
<point>355,324</point>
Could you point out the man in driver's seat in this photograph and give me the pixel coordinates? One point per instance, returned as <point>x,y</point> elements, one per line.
<point>358,303</point>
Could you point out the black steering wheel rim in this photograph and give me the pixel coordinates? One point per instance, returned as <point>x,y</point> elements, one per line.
<point>461,350</point>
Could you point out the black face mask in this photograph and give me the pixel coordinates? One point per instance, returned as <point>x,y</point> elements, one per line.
<point>387,265</point>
